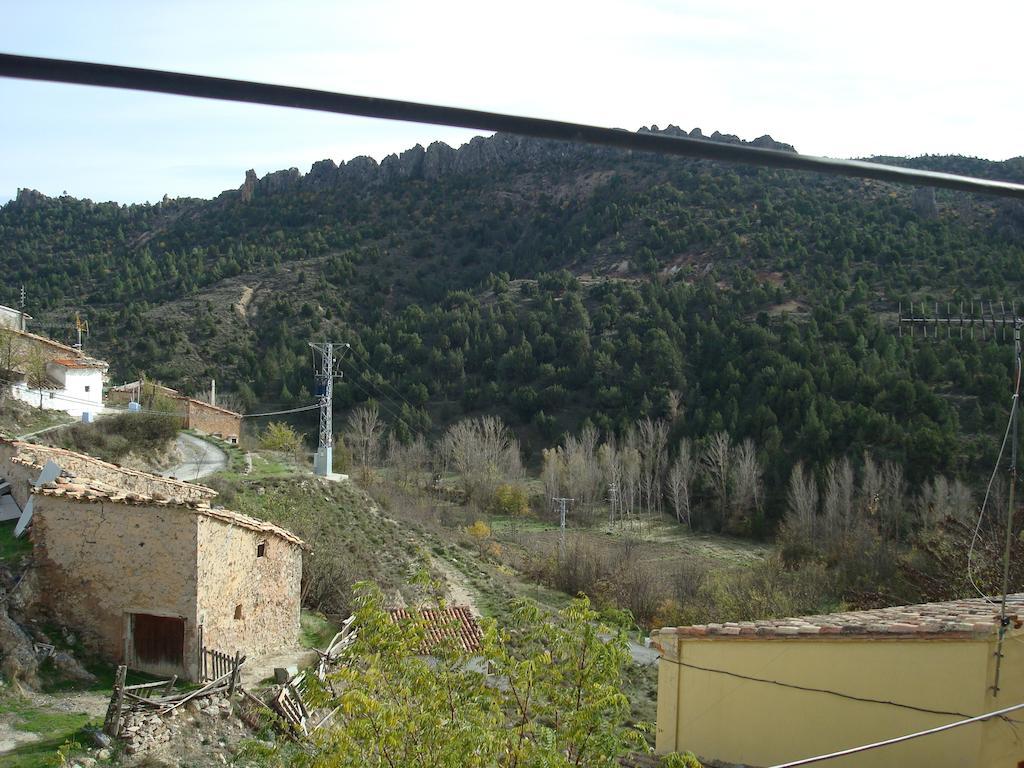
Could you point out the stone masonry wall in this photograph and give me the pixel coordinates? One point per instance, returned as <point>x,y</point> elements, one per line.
<point>19,476</point>
<point>267,589</point>
<point>100,561</point>
<point>126,479</point>
<point>212,420</point>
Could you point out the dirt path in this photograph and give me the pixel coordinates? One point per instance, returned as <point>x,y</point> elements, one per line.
<point>457,588</point>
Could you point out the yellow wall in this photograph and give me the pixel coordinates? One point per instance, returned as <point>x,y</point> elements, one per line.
<point>754,723</point>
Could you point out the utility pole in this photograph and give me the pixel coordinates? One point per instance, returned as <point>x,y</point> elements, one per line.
<point>613,501</point>
<point>325,374</point>
<point>1014,418</point>
<point>562,503</point>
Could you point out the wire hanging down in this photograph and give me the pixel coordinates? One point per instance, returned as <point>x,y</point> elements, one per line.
<point>178,83</point>
<point>898,739</point>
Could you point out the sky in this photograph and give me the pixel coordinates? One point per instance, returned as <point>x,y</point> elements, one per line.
<point>841,79</point>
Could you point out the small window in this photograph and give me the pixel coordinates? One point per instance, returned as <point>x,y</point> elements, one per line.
<point>238,611</point>
<point>86,387</point>
<point>261,549</point>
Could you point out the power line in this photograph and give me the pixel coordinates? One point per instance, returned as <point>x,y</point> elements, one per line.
<point>809,689</point>
<point>312,407</point>
<point>898,739</point>
<point>177,83</point>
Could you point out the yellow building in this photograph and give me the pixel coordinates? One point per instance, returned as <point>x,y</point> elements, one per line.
<point>767,692</point>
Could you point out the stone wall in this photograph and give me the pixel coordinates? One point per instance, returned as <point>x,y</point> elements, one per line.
<point>20,477</point>
<point>100,561</point>
<point>212,420</point>
<point>263,592</point>
<point>131,480</point>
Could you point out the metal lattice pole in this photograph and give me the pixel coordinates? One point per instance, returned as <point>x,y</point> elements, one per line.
<point>324,377</point>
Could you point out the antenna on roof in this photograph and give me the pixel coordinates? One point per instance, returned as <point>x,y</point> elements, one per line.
<point>80,326</point>
<point>22,308</point>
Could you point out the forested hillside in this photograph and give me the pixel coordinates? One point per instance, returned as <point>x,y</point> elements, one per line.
<point>558,286</point>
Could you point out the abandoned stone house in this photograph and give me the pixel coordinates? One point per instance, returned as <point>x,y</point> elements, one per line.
<point>148,572</point>
<point>195,414</point>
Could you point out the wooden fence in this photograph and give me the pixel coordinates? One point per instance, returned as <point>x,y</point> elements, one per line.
<point>216,664</point>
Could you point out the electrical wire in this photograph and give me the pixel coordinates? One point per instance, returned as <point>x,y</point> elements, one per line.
<point>369,364</point>
<point>280,413</point>
<point>177,83</point>
<point>988,490</point>
<point>809,689</point>
<point>898,739</point>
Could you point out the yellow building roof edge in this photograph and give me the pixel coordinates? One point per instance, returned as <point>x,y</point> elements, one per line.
<point>953,619</point>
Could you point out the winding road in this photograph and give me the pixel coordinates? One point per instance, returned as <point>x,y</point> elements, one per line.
<point>199,458</point>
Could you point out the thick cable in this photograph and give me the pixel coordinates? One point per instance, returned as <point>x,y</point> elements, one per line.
<point>223,89</point>
<point>898,739</point>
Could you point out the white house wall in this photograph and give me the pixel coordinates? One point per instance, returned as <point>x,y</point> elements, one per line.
<point>73,399</point>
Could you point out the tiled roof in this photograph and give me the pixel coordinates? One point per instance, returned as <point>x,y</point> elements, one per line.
<point>35,455</point>
<point>455,621</point>
<point>975,617</point>
<point>49,342</point>
<point>79,362</point>
<point>93,491</point>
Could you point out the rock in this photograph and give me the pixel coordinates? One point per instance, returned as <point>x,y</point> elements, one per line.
<point>71,668</point>
<point>103,754</point>
<point>19,656</point>
<point>248,188</point>
<point>86,762</point>
<point>99,739</point>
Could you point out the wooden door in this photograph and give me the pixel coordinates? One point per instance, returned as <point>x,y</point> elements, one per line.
<point>158,642</point>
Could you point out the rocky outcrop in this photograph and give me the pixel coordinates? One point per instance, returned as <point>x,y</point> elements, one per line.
<point>479,155</point>
<point>248,188</point>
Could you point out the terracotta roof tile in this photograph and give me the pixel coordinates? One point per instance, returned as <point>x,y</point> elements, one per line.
<point>92,491</point>
<point>972,617</point>
<point>455,621</point>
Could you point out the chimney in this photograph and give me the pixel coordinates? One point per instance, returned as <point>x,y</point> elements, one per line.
<point>213,391</point>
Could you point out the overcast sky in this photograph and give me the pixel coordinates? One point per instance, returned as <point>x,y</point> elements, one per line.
<point>843,79</point>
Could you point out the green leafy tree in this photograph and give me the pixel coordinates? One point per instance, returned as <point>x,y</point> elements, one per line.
<point>553,697</point>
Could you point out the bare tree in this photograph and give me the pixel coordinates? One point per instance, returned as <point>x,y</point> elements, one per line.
<point>653,438</point>
<point>715,462</point>
<point>611,477</point>
<point>365,430</point>
<point>552,471</point>
<point>801,505</point>
<point>869,497</point>
<point>747,487</point>
<point>629,457</point>
<point>891,503</point>
<point>484,452</point>
<point>36,376</point>
<point>680,482</point>
<point>838,502</point>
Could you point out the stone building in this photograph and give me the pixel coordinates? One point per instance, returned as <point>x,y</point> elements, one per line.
<point>147,572</point>
<point>195,414</point>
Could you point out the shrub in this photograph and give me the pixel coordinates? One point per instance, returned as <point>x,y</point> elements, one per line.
<point>279,436</point>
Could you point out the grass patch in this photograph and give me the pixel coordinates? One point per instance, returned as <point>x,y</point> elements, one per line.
<point>55,729</point>
<point>12,550</point>
<point>316,630</point>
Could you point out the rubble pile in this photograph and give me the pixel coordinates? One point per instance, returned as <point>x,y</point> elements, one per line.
<point>211,719</point>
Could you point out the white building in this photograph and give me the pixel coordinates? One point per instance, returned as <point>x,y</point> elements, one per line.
<point>74,385</point>
<point>12,318</point>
